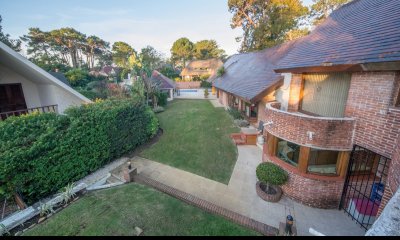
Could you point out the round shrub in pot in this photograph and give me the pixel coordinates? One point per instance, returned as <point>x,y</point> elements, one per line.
<point>270,177</point>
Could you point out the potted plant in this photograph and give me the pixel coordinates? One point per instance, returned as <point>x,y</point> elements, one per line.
<point>270,177</point>
<point>206,93</point>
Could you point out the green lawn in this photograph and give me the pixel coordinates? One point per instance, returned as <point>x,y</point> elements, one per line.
<point>117,211</point>
<point>196,139</point>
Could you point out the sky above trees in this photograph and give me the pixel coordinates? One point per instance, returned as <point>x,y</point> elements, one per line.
<point>140,23</point>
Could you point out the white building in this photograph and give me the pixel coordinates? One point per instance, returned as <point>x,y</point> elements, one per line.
<point>25,87</point>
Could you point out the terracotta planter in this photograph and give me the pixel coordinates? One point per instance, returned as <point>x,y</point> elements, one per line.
<point>269,197</point>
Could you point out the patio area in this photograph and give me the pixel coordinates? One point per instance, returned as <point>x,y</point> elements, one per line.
<point>240,196</point>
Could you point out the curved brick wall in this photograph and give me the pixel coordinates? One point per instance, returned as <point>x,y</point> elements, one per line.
<point>316,191</point>
<point>330,133</point>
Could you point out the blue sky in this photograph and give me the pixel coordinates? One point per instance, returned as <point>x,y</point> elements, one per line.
<point>138,22</point>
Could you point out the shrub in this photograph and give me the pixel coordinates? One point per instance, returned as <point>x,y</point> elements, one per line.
<point>235,113</point>
<point>205,84</point>
<point>158,109</point>
<point>206,93</point>
<point>221,71</point>
<point>92,95</point>
<point>41,153</point>
<point>241,123</point>
<point>162,98</point>
<point>270,173</point>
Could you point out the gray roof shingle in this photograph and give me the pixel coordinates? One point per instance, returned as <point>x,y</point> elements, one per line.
<point>249,74</point>
<point>362,31</point>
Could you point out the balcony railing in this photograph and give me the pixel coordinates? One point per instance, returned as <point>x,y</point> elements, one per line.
<point>306,130</point>
<point>44,109</point>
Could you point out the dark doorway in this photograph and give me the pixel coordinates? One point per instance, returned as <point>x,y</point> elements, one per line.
<point>364,186</point>
<point>11,98</point>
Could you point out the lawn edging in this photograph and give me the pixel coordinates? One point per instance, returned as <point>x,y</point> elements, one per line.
<point>209,207</point>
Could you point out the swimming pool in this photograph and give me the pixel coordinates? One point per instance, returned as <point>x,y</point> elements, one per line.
<point>188,90</point>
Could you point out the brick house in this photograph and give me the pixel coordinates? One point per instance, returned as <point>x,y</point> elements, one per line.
<point>249,81</point>
<point>335,126</point>
<point>201,68</point>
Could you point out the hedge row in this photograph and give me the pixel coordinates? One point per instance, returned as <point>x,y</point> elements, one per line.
<point>41,153</point>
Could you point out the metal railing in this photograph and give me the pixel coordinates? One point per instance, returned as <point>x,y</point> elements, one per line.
<point>44,109</point>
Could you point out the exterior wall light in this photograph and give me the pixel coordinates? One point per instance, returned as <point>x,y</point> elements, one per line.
<point>310,135</point>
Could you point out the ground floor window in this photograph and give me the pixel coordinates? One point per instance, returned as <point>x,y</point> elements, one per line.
<point>307,159</point>
<point>323,161</point>
<point>288,152</point>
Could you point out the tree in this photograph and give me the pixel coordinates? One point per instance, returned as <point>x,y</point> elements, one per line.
<point>169,71</point>
<point>77,77</point>
<point>182,51</point>
<point>207,49</point>
<point>5,38</point>
<point>94,47</point>
<point>151,58</point>
<point>265,22</point>
<point>321,9</point>
<point>296,33</point>
<point>121,53</point>
<point>69,41</point>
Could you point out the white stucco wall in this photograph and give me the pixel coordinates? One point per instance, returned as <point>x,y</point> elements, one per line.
<point>29,88</point>
<point>282,94</point>
<point>38,95</point>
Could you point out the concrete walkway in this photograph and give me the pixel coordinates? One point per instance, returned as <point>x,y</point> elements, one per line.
<point>240,196</point>
<point>216,103</point>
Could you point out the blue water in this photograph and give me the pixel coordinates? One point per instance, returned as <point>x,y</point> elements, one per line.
<point>183,91</point>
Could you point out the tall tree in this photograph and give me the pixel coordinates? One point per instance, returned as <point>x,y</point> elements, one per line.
<point>296,33</point>
<point>265,22</point>
<point>206,49</point>
<point>5,38</point>
<point>151,58</point>
<point>72,41</point>
<point>321,9</point>
<point>182,51</point>
<point>121,53</point>
<point>93,48</point>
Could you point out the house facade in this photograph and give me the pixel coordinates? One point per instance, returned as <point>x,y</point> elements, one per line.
<point>25,87</point>
<point>334,124</point>
<point>201,68</point>
<point>166,84</point>
<point>250,82</point>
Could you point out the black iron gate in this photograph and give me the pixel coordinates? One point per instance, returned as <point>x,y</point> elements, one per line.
<point>364,185</point>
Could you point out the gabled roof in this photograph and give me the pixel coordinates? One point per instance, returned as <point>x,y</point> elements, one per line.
<point>165,83</point>
<point>362,31</point>
<point>249,75</point>
<point>202,67</point>
<point>20,64</point>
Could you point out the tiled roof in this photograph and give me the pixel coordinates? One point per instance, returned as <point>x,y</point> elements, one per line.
<point>165,83</point>
<point>362,31</point>
<point>249,74</point>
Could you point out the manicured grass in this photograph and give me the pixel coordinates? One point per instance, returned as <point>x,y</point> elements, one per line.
<point>118,211</point>
<point>196,139</point>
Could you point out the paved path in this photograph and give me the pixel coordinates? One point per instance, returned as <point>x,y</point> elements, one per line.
<point>240,196</point>
<point>216,103</point>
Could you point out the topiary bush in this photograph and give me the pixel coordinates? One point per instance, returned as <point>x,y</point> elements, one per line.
<point>271,174</point>
<point>41,153</point>
<point>206,93</point>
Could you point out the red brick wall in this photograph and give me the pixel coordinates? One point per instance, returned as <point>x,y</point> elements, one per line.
<point>313,192</point>
<point>223,98</point>
<point>371,97</point>
<point>329,133</point>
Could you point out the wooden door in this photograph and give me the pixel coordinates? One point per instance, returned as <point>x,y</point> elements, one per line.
<point>11,97</point>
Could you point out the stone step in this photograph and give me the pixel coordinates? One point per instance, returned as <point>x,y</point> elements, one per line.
<point>112,180</point>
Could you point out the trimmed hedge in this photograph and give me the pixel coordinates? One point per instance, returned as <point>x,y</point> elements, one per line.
<point>41,153</point>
